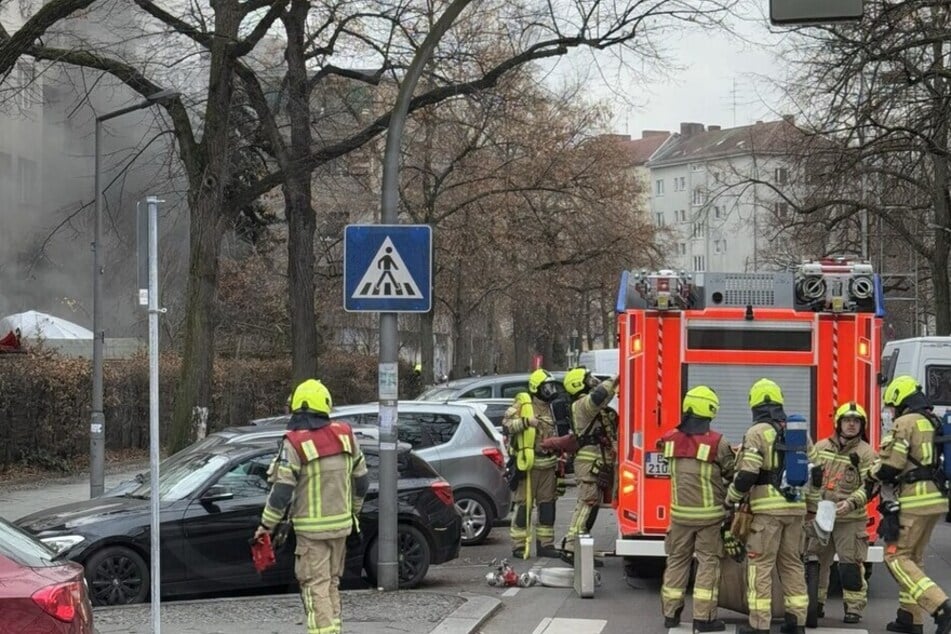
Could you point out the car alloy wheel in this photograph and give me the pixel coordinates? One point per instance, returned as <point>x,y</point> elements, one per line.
<point>117,576</point>
<point>476,517</point>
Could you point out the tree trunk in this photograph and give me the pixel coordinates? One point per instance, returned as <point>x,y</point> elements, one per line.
<point>194,383</point>
<point>427,346</point>
<point>208,178</point>
<point>523,350</point>
<point>942,213</point>
<point>301,219</point>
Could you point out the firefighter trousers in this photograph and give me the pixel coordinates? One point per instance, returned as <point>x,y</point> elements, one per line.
<point>682,544</point>
<point>775,542</point>
<point>904,558</point>
<point>543,497</point>
<point>319,566</point>
<point>849,540</point>
<point>589,497</point>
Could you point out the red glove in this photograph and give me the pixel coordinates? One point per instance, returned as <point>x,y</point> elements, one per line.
<point>557,444</point>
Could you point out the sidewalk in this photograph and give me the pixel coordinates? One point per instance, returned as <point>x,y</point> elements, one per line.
<point>364,611</point>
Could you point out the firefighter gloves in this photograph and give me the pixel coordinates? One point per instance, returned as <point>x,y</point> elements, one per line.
<point>889,527</point>
<point>733,546</point>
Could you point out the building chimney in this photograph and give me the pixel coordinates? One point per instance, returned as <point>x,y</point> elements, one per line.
<point>713,128</point>
<point>689,129</point>
<point>646,134</point>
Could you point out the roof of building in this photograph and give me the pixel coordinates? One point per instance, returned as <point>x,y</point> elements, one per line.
<point>641,150</point>
<point>695,143</point>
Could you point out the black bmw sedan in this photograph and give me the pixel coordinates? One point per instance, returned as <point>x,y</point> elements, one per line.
<point>211,502</point>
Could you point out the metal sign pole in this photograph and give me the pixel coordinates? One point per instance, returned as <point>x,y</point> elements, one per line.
<point>154,312</point>
<point>388,571</point>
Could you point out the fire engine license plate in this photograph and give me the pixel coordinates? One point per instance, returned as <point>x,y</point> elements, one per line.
<point>655,466</point>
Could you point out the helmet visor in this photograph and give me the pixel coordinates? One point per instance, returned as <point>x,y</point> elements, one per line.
<point>547,391</point>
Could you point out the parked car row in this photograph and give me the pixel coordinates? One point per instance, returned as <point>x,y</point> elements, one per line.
<point>211,502</point>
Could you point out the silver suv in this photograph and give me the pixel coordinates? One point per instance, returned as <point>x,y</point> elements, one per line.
<point>461,444</point>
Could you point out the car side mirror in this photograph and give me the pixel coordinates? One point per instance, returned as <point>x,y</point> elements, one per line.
<point>882,381</point>
<point>217,493</point>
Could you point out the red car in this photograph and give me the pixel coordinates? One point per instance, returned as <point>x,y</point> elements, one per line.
<point>38,593</point>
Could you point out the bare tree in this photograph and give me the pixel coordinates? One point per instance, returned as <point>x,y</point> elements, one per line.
<point>222,33</point>
<point>879,93</point>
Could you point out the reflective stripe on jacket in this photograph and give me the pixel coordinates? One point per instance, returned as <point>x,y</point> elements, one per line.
<point>698,484</point>
<point>843,477</point>
<point>912,437</point>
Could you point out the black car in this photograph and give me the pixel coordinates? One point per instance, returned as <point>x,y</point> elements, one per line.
<point>211,504</point>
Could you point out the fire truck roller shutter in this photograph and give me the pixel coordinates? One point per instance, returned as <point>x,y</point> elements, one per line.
<point>732,384</point>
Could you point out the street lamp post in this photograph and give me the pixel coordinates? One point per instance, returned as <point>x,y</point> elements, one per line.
<point>97,426</point>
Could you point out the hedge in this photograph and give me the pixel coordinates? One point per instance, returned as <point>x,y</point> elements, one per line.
<point>45,399</point>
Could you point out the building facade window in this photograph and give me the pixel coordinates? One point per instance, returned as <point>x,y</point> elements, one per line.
<point>782,209</point>
<point>781,175</point>
<point>682,215</point>
<point>680,183</point>
<point>659,187</point>
<point>698,230</point>
<point>682,248</point>
<point>719,246</point>
<point>698,196</point>
<point>660,218</point>
<point>717,212</point>
<point>698,263</point>
<point>696,167</point>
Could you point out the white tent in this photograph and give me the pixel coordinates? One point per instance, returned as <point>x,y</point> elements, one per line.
<point>37,325</point>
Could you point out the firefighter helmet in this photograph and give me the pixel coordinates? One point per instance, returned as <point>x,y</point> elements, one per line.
<point>851,410</point>
<point>765,391</point>
<point>701,401</point>
<point>542,385</point>
<point>900,389</point>
<point>576,380</point>
<point>311,396</point>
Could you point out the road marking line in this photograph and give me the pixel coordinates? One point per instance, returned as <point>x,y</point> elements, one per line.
<point>570,626</point>
<point>511,592</point>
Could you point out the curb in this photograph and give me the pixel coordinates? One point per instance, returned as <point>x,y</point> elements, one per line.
<point>469,616</point>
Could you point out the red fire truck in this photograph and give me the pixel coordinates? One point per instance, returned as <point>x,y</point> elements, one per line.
<point>816,331</point>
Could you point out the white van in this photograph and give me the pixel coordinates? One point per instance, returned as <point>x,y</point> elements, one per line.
<point>928,359</point>
<point>600,361</point>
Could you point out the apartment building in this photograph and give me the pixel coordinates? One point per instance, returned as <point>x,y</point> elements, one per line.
<point>717,192</point>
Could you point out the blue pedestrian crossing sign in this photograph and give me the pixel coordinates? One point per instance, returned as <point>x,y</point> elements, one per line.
<point>387,268</point>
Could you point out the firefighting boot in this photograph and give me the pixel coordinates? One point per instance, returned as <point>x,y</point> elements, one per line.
<point>713,625</point>
<point>942,618</point>
<point>673,621</point>
<point>904,622</point>
<point>547,551</point>
<point>790,626</point>
<point>852,618</point>
<point>746,628</point>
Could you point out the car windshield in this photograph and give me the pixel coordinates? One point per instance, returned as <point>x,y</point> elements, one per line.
<point>179,478</point>
<point>20,547</point>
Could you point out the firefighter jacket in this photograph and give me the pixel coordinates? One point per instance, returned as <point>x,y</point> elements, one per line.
<point>757,473</point>
<point>514,426</point>
<point>701,467</point>
<point>905,450</point>
<point>321,465</point>
<point>594,426</point>
<point>845,468</point>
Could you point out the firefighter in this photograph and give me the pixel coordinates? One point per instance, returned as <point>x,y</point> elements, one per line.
<point>321,476</point>
<point>701,466</point>
<point>593,427</point>
<point>778,511</point>
<point>842,464</point>
<point>912,503</point>
<point>536,487</point>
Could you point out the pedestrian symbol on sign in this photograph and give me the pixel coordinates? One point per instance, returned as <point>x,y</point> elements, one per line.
<point>387,276</point>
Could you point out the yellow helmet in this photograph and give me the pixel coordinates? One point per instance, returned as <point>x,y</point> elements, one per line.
<point>701,401</point>
<point>899,389</point>
<point>575,380</point>
<point>536,379</point>
<point>311,396</point>
<point>765,391</point>
<point>852,409</point>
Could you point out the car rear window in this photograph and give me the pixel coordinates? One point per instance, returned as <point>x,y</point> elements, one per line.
<point>23,549</point>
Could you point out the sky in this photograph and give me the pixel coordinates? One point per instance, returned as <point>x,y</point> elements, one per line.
<point>721,79</point>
